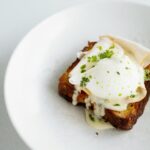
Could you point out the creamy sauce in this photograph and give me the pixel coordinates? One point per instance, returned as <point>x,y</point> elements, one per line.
<point>75,95</point>
<point>88,102</point>
<point>99,110</point>
<point>95,122</point>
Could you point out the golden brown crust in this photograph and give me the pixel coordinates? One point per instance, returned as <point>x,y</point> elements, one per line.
<point>120,119</point>
<point>65,88</point>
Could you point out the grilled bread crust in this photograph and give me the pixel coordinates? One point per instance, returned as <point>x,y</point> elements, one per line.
<point>119,119</point>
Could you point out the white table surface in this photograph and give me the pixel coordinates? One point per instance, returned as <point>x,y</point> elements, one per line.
<point>17,17</point>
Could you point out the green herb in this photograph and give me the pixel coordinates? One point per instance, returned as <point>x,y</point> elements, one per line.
<point>120,94</point>
<point>97,82</point>
<point>106,54</point>
<point>111,47</point>
<point>90,76</point>
<point>116,104</point>
<point>147,75</point>
<point>93,58</point>
<point>91,117</point>
<point>83,68</point>
<point>84,81</point>
<point>126,68</point>
<point>132,96</point>
<point>100,47</point>
<point>82,71</point>
<point>108,72</point>
<point>118,73</point>
<point>89,59</point>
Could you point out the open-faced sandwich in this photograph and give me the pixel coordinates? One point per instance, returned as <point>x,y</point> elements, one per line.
<point>111,78</point>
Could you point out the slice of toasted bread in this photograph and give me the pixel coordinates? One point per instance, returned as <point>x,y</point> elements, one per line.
<point>120,119</point>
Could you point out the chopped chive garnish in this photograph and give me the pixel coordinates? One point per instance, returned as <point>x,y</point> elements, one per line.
<point>116,104</point>
<point>118,73</point>
<point>120,94</point>
<point>90,76</point>
<point>93,58</point>
<point>108,72</point>
<point>126,68</point>
<point>84,81</point>
<point>82,71</point>
<point>91,117</point>
<point>132,96</point>
<point>100,47</point>
<point>106,54</point>
<point>83,68</point>
<point>97,82</point>
<point>111,47</point>
<point>147,75</point>
<point>89,59</point>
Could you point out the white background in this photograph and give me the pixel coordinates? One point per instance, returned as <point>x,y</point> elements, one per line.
<point>17,17</point>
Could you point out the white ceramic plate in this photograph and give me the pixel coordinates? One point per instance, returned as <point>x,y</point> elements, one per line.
<point>42,118</point>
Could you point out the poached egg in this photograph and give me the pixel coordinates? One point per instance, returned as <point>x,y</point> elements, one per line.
<point>111,73</point>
